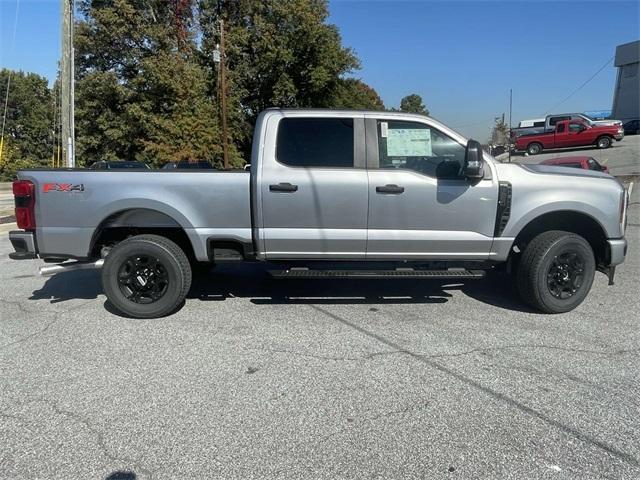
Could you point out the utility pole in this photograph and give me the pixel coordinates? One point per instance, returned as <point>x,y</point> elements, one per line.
<point>223,98</point>
<point>510,108</point>
<point>67,70</point>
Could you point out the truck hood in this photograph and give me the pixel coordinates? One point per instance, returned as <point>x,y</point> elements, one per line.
<point>559,170</point>
<point>607,122</point>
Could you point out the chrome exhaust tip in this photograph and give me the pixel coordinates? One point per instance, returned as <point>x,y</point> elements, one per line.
<point>49,270</point>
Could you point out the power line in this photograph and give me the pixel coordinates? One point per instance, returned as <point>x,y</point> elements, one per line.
<point>581,86</point>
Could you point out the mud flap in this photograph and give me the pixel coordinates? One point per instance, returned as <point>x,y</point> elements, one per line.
<point>611,271</point>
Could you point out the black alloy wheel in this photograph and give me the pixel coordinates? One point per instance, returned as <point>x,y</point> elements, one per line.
<point>143,279</point>
<point>566,274</point>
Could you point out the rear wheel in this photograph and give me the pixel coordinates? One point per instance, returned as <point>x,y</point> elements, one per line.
<point>556,271</point>
<point>604,142</point>
<point>146,276</point>
<point>534,148</point>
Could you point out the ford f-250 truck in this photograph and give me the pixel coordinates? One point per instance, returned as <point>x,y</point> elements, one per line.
<point>377,194</point>
<point>570,133</point>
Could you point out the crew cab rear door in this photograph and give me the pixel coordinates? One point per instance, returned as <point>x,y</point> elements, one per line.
<point>313,187</point>
<point>420,207</point>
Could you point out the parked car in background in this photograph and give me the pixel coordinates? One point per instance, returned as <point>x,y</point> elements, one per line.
<point>118,165</point>
<point>584,162</point>
<point>185,164</point>
<point>632,127</point>
<point>570,133</point>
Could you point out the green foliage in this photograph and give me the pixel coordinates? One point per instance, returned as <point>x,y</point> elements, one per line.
<point>355,94</point>
<point>280,53</point>
<point>147,88</point>
<point>11,161</point>
<point>28,133</point>
<point>413,104</point>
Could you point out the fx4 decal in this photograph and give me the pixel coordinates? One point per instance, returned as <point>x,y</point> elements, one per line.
<point>62,187</point>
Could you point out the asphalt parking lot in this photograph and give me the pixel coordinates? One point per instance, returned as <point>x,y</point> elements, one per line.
<point>255,378</point>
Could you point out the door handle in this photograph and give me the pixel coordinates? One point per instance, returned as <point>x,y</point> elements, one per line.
<point>395,189</point>
<point>283,187</point>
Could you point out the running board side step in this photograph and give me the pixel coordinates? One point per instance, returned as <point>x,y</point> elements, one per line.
<point>458,273</point>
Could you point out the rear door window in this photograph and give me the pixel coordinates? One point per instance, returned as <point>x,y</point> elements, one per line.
<point>315,142</point>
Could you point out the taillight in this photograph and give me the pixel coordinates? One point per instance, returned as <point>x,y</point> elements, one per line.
<point>25,200</point>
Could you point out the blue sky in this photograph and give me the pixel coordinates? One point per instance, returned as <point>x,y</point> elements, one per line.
<point>462,57</point>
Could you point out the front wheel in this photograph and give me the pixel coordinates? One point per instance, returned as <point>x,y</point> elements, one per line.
<point>604,142</point>
<point>146,276</point>
<point>556,271</point>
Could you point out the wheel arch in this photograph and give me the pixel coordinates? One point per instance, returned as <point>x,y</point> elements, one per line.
<point>127,222</point>
<point>572,221</point>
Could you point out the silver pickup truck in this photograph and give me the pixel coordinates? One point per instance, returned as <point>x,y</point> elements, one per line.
<point>330,194</point>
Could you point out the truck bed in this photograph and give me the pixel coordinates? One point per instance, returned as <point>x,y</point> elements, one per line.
<point>72,203</point>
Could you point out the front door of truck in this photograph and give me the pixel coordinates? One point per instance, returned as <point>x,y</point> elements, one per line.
<point>577,134</point>
<point>314,188</point>
<point>420,206</point>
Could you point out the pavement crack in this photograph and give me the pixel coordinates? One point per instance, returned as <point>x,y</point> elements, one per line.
<point>47,326</point>
<point>367,356</point>
<point>33,335</point>
<point>495,395</point>
<point>525,346</point>
<point>97,434</point>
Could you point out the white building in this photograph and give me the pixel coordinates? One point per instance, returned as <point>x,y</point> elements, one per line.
<point>626,96</point>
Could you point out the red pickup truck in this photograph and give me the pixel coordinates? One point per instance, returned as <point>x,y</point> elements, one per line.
<point>570,133</point>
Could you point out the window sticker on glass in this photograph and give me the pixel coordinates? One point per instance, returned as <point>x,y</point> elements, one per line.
<point>409,142</point>
<point>384,129</point>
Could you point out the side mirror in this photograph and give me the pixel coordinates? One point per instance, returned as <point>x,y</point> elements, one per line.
<point>473,162</point>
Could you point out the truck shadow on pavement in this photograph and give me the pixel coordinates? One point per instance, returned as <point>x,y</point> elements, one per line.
<point>81,284</point>
<point>253,282</point>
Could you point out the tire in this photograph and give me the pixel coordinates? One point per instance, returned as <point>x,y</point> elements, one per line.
<point>146,276</point>
<point>534,148</point>
<point>604,142</point>
<point>556,271</point>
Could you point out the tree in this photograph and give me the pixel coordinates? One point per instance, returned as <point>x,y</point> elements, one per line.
<point>142,93</point>
<point>413,104</point>
<point>355,94</point>
<point>500,132</point>
<point>280,53</point>
<point>148,87</point>
<point>28,132</point>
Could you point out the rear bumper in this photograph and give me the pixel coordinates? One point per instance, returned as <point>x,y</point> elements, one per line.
<point>24,244</point>
<point>617,251</point>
